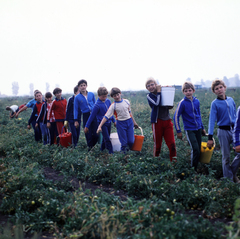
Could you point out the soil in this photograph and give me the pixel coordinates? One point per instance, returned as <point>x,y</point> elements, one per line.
<point>51,174</point>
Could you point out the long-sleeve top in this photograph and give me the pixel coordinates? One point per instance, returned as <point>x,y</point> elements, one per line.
<point>224,112</point>
<point>236,135</point>
<point>31,104</point>
<point>70,109</point>
<point>191,115</point>
<point>58,107</point>
<point>36,111</point>
<point>83,104</point>
<point>121,110</point>
<point>154,102</point>
<point>99,110</point>
<point>44,112</point>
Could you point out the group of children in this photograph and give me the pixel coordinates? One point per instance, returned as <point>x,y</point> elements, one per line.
<point>50,118</point>
<point>223,111</point>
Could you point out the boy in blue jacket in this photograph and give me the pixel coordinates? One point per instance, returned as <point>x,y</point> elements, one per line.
<point>70,117</point>
<point>84,103</point>
<point>189,109</point>
<point>99,110</point>
<point>223,110</point>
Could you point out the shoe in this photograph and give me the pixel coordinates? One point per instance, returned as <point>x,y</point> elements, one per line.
<point>236,179</point>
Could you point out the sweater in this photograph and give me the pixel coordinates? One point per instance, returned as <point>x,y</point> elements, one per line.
<point>58,107</point>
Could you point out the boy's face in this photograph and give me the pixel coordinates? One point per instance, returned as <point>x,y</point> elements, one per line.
<point>102,97</point>
<point>117,97</point>
<point>220,91</point>
<point>38,97</point>
<point>49,100</point>
<point>82,88</point>
<point>58,95</point>
<point>188,93</point>
<point>152,87</point>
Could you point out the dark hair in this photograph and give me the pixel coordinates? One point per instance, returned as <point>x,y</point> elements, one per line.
<point>57,90</point>
<point>82,82</point>
<point>48,95</point>
<point>114,91</point>
<point>75,89</point>
<point>102,91</point>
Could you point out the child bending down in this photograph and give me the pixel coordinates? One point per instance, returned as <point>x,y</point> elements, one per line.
<point>125,122</point>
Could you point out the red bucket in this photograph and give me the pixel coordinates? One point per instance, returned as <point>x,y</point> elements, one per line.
<point>65,138</point>
<point>138,142</point>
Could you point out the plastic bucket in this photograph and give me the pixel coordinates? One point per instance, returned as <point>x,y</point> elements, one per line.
<point>65,139</point>
<point>206,153</point>
<point>167,96</point>
<point>138,142</point>
<point>115,142</point>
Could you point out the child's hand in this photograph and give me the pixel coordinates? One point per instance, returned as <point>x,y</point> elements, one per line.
<point>210,144</point>
<point>76,124</point>
<point>36,125</point>
<point>99,130</point>
<point>179,135</point>
<point>85,130</point>
<point>204,132</point>
<point>48,125</point>
<point>29,126</point>
<point>237,149</point>
<point>136,126</point>
<point>115,124</point>
<point>158,88</point>
<point>66,123</point>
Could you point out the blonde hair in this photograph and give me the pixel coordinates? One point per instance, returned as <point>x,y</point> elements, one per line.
<point>149,80</point>
<point>188,85</point>
<point>216,83</point>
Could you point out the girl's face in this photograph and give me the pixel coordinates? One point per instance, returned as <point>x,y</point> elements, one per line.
<point>58,95</point>
<point>117,97</point>
<point>102,97</point>
<point>49,100</point>
<point>38,97</point>
<point>189,93</point>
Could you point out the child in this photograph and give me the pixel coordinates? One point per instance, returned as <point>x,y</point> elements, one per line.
<point>99,110</point>
<point>189,109</point>
<point>70,117</point>
<point>49,133</point>
<point>31,104</point>
<point>223,110</point>
<point>83,104</point>
<point>58,107</point>
<point>125,121</point>
<point>13,110</point>
<point>36,111</point>
<point>162,125</point>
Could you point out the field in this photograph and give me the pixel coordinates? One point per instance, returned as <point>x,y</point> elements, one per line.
<point>56,192</point>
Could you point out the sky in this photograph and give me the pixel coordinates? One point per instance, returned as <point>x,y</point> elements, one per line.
<point>116,43</point>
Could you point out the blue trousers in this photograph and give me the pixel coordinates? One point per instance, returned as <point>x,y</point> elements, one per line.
<point>45,133</point>
<point>106,142</point>
<point>37,131</point>
<point>226,139</point>
<point>91,136</point>
<point>125,132</point>
<point>75,132</point>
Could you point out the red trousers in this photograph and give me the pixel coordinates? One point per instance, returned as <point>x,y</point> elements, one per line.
<point>59,125</point>
<point>164,129</point>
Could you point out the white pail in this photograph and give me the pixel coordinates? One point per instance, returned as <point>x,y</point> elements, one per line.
<point>115,142</point>
<point>167,96</point>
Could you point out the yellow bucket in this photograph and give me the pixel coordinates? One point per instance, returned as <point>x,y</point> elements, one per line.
<point>206,153</point>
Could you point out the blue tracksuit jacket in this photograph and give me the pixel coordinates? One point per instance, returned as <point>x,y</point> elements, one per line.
<point>154,101</point>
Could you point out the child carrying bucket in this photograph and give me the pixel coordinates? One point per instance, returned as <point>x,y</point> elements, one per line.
<point>99,110</point>
<point>189,109</point>
<point>223,110</point>
<point>162,125</point>
<point>125,121</point>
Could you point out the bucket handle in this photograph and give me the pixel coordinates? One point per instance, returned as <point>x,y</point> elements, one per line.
<point>62,131</point>
<point>214,143</point>
<point>141,130</point>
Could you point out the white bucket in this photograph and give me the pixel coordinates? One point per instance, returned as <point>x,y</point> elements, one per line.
<point>167,96</point>
<point>115,142</point>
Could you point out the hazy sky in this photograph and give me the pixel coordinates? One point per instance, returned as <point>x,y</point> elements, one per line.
<point>116,42</point>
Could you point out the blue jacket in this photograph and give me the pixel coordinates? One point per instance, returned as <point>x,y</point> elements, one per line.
<point>236,135</point>
<point>154,101</point>
<point>82,104</point>
<point>191,115</point>
<point>70,110</point>
<point>222,111</point>
<point>99,110</point>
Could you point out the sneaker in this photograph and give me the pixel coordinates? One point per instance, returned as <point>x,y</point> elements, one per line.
<point>236,179</point>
